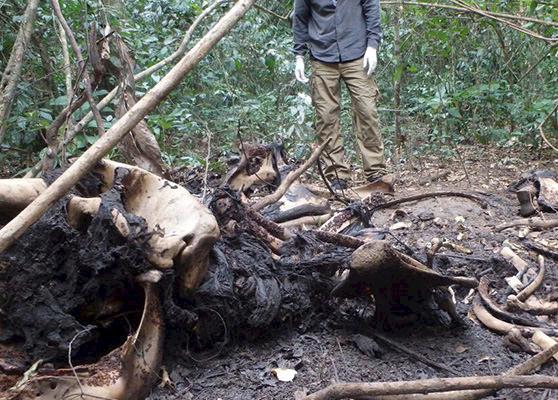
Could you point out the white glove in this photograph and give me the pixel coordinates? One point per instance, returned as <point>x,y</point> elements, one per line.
<point>299,70</point>
<point>370,60</point>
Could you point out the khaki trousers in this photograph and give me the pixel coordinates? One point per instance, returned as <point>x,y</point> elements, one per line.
<point>326,97</point>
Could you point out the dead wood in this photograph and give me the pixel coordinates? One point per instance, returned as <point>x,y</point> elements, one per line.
<point>359,390</point>
<point>339,239</point>
<point>502,327</point>
<point>304,210</point>
<point>499,311</point>
<point>82,67</point>
<point>310,220</point>
<point>12,72</point>
<point>424,196</point>
<point>14,229</point>
<point>288,181</point>
<point>535,223</point>
<point>526,367</point>
<point>273,228</point>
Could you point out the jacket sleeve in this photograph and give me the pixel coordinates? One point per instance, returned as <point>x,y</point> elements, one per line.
<point>301,16</point>
<point>371,11</point>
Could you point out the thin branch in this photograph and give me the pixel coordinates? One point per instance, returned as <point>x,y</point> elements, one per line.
<point>504,21</point>
<point>267,11</point>
<point>81,66</point>
<point>294,175</point>
<point>465,10</point>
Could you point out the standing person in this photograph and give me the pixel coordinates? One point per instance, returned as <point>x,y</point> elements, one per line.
<point>342,38</point>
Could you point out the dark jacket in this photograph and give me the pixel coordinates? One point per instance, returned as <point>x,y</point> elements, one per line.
<point>336,33</point>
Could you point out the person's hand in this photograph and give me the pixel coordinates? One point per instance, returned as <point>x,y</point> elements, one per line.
<point>299,70</point>
<point>370,60</point>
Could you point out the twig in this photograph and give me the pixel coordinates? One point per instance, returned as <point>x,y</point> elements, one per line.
<point>466,10</point>
<point>70,357</point>
<point>81,66</point>
<point>508,23</point>
<point>270,12</point>
<point>541,249</point>
<point>423,196</point>
<point>288,181</point>
<point>359,390</point>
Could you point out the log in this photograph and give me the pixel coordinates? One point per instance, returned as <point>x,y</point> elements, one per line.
<point>288,181</point>
<point>15,228</point>
<point>359,390</point>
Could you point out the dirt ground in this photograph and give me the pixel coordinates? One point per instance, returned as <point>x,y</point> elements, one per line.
<point>331,348</point>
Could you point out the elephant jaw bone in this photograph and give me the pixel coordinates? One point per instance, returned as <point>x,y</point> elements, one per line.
<point>128,372</point>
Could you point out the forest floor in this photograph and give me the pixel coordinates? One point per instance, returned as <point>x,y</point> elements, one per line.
<point>329,348</point>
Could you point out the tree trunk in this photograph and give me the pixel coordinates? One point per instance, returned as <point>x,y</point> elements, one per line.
<point>15,228</point>
<point>399,137</point>
<point>12,73</point>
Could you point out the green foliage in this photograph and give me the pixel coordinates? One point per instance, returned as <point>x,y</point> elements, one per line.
<point>463,77</point>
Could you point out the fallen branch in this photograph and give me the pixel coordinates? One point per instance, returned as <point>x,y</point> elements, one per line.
<point>526,367</point>
<point>16,227</point>
<point>497,310</point>
<point>339,239</point>
<point>288,181</point>
<point>358,390</point>
<point>309,220</point>
<point>424,196</point>
<point>535,223</point>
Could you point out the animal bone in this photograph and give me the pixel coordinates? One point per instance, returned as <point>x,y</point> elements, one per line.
<point>128,372</point>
